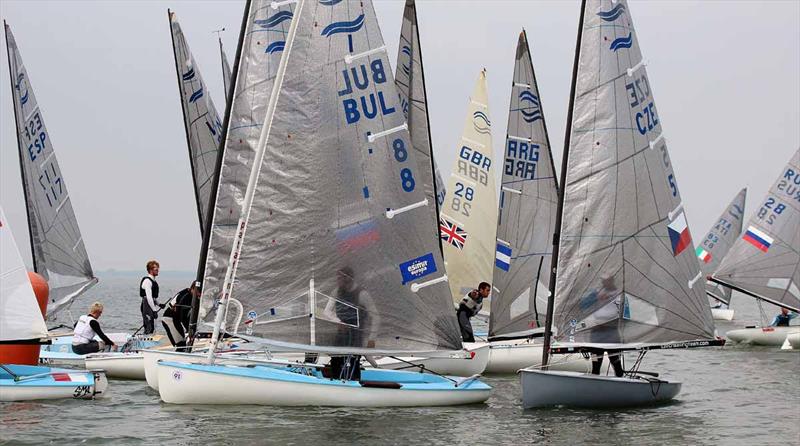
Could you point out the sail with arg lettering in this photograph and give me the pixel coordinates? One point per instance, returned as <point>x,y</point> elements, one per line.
<point>334,258</point>
<point>59,254</point>
<point>528,203</point>
<point>765,261</point>
<point>627,273</point>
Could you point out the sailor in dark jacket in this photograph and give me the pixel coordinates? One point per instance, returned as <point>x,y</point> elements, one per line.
<point>176,316</point>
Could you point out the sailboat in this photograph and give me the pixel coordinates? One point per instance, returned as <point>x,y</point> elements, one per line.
<point>713,248</point>
<point>327,255</point>
<point>21,321</point>
<point>765,262</point>
<point>528,202</point>
<point>626,277</point>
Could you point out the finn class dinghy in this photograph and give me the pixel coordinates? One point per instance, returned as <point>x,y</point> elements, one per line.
<point>765,262</point>
<point>21,322</point>
<point>713,248</point>
<point>335,263</point>
<point>626,276</point>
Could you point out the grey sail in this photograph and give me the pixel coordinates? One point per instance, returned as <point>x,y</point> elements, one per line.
<point>264,37</point>
<point>765,260</point>
<point>226,69</point>
<point>59,254</point>
<point>528,204</point>
<point>333,231</point>
<point>410,82</point>
<point>200,118</point>
<point>627,273</point>
<point>719,240</point>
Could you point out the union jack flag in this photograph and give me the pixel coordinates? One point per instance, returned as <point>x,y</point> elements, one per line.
<point>452,233</point>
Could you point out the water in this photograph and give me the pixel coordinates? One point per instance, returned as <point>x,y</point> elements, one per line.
<point>731,395</point>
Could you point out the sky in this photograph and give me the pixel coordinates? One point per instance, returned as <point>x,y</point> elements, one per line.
<point>725,76</point>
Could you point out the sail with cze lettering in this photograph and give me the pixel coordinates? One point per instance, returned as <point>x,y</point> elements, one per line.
<point>719,240</point>
<point>528,204</point>
<point>468,217</point>
<point>765,261</point>
<point>627,273</point>
<point>59,254</point>
<point>200,118</point>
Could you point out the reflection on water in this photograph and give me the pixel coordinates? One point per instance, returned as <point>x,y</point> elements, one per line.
<point>731,395</point>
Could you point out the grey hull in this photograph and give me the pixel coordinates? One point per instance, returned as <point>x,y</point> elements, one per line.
<point>547,389</point>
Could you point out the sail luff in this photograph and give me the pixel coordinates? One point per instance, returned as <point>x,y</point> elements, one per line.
<point>548,330</point>
<point>226,71</point>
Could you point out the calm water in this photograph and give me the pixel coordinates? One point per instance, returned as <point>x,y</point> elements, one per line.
<point>731,395</point>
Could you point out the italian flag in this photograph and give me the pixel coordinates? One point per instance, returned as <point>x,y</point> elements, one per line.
<point>703,255</point>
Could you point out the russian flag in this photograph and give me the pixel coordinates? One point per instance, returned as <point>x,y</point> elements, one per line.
<point>503,257</point>
<point>703,255</point>
<point>357,236</point>
<point>758,238</point>
<point>679,234</point>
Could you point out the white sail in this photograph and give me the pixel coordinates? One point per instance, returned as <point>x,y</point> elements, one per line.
<point>226,69</point>
<point>20,317</point>
<point>718,241</point>
<point>59,254</point>
<point>200,118</point>
<point>468,218</point>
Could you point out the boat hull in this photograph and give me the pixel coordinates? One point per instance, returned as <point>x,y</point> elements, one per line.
<point>507,357</point>
<point>794,340</point>
<point>117,365</point>
<point>151,358</point>
<point>474,365</point>
<point>53,384</point>
<point>277,386</point>
<point>722,314</point>
<point>571,389</point>
<point>769,336</point>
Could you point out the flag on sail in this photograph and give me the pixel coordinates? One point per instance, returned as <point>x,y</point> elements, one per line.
<point>503,257</point>
<point>758,238</point>
<point>452,233</point>
<point>703,255</point>
<point>679,234</point>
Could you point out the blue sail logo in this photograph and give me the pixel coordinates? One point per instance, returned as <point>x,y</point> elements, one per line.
<point>196,95</point>
<point>275,47</point>
<point>329,2</point>
<point>622,42</point>
<point>22,84</point>
<point>407,68</point>
<point>481,122</point>
<point>613,14</point>
<point>189,75</point>
<point>274,20</point>
<point>344,27</point>
<point>529,106</point>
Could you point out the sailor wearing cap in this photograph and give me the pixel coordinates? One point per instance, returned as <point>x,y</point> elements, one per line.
<point>176,316</point>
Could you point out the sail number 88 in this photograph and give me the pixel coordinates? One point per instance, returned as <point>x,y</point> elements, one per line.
<point>401,155</point>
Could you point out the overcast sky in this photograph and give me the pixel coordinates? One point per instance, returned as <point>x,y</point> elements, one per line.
<point>725,76</point>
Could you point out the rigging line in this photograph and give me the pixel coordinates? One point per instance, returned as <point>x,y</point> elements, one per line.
<point>575,181</point>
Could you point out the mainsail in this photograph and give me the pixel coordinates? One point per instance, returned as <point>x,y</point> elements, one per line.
<point>226,69</point>
<point>334,258</point>
<point>56,242</point>
<point>528,203</point>
<point>410,82</point>
<point>627,274</point>
<point>468,218</point>
<point>719,240</point>
<point>765,261</point>
<point>21,319</point>
<point>201,121</point>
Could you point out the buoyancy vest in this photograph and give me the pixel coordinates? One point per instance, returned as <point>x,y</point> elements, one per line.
<point>154,288</point>
<point>83,333</point>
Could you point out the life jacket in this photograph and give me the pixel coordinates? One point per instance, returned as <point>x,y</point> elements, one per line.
<point>473,304</point>
<point>154,288</point>
<point>346,313</point>
<point>83,333</point>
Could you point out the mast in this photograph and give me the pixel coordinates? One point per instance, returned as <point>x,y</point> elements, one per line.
<point>217,169</point>
<point>560,210</point>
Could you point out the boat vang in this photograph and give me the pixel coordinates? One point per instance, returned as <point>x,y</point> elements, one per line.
<point>626,276</point>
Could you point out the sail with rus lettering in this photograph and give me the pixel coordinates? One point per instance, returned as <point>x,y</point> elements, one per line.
<point>334,258</point>
<point>528,202</point>
<point>468,218</point>
<point>765,261</point>
<point>627,273</point>
<point>201,121</point>
<point>261,48</point>
<point>410,82</point>
<point>719,240</point>
<point>59,254</point>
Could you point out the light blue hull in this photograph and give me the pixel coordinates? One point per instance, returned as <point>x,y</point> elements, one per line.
<point>26,383</point>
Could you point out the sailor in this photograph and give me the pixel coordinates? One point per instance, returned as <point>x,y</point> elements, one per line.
<point>176,316</point>
<point>783,318</point>
<point>469,306</point>
<point>148,291</point>
<point>86,328</point>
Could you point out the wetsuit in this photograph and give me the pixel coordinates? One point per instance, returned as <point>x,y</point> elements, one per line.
<point>176,318</point>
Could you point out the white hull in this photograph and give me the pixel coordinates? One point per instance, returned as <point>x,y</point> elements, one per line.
<point>46,389</point>
<point>475,365</point>
<point>548,389</point>
<point>722,314</point>
<point>187,385</point>
<point>508,357</point>
<point>151,358</point>
<point>794,340</point>
<point>769,336</point>
<point>117,365</point>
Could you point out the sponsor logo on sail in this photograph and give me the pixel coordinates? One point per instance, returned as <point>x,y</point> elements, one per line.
<point>622,42</point>
<point>274,20</point>
<point>418,268</point>
<point>612,14</point>
<point>481,122</point>
<point>344,27</point>
<point>758,238</point>
<point>679,234</point>
<point>529,106</point>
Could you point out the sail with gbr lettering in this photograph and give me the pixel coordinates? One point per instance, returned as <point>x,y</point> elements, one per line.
<point>59,254</point>
<point>627,273</point>
<point>468,218</point>
<point>719,240</point>
<point>528,204</point>
<point>765,261</point>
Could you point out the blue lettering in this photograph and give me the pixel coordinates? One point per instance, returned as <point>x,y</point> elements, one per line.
<point>351,111</point>
<point>639,125</point>
<point>364,82</point>
<point>347,88</point>
<point>384,109</point>
<point>512,148</point>
<point>365,107</point>
<point>378,73</point>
